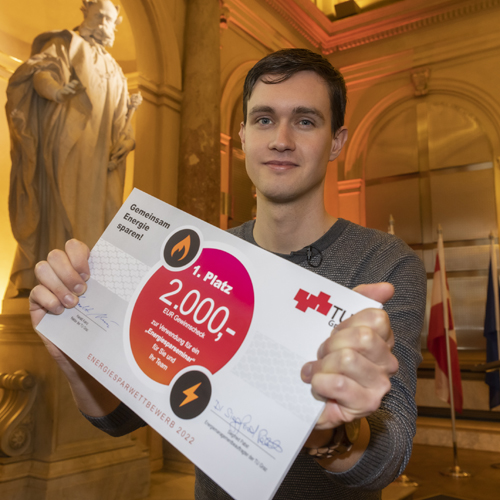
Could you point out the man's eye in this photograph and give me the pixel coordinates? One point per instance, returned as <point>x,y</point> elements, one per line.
<point>264,121</point>
<point>306,122</point>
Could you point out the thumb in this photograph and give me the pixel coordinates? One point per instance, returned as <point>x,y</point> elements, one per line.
<point>381,292</point>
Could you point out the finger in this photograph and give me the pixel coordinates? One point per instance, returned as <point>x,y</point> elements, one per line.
<point>373,343</point>
<point>350,363</point>
<point>59,275</point>
<point>42,300</point>
<point>375,319</point>
<point>49,278</point>
<point>363,367</point>
<point>381,292</point>
<point>78,254</point>
<point>335,414</point>
<point>61,264</point>
<point>353,400</point>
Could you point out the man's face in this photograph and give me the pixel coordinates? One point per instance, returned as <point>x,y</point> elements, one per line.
<point>101,22</point>
<point>287,139</point>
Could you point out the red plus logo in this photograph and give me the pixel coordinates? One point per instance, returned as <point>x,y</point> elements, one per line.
<point>307,300</point>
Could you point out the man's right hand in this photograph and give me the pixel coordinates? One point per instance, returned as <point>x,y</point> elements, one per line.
<point>62,280</point>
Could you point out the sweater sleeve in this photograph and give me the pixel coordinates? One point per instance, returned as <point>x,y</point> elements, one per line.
<point>119,422</point>
<point>393,425</point>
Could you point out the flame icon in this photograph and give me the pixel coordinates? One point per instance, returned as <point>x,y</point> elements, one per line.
<point>181,248</point>
<point>183,245</point>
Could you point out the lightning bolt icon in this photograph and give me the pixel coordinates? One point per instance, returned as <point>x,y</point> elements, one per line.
<point>190,394</point>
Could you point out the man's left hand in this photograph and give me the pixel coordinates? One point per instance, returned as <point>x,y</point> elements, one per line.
<point>355,364</point>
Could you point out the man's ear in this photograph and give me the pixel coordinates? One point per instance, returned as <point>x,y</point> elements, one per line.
<point>338,142</point>
<point>241,133</point>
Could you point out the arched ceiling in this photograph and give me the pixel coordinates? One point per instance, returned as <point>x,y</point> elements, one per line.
<point>22,20</point>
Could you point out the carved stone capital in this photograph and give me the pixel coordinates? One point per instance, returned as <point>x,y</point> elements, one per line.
<point>420,80</point>
<point>16,418</point>
<point>225,13</point>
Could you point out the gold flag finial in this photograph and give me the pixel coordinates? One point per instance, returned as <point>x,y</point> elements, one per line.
<point>391,225</point>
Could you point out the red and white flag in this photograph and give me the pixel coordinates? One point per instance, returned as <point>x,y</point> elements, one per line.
<point>441,325</point>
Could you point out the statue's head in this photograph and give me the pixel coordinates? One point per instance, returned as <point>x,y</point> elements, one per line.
<point>100,21</point>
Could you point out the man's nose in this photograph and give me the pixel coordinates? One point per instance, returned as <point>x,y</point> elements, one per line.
<point>282,139</point>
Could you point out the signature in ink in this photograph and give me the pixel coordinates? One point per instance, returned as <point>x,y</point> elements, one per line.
<point>218,406</point>
<point>266,441</point>
<point>244,425</point>
<point>99,317</point>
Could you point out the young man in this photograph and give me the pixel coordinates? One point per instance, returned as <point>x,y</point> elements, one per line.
<point>294,105</point>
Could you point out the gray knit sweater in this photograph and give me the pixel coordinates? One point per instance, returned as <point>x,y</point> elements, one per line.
<point>350,255</point>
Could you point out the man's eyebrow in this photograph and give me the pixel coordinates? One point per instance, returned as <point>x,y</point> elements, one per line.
<point>299,110</point>
<point>304,110</point>
<point>261,109</point>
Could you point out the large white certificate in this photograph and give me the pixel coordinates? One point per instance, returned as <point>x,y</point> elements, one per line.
<point>204,336</point>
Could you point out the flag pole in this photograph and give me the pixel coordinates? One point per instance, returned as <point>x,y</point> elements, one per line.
<point>494,275</point>
<point>454,471</point>
<point>390,230</point>
<point>403,479</point>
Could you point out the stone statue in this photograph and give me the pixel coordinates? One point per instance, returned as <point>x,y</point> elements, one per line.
<point>69,114</point>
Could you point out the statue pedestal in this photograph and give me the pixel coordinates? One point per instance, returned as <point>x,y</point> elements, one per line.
<point>66,457</point>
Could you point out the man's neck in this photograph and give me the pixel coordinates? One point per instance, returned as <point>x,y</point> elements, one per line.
<point>286,228</point>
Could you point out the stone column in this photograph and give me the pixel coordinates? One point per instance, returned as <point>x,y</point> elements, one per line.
<point>225,179</point>
<point>199,158</point>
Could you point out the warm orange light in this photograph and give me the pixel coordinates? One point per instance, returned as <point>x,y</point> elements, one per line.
<point>7,242</point>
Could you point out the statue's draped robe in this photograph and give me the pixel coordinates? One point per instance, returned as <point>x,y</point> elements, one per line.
<point>60,184</point>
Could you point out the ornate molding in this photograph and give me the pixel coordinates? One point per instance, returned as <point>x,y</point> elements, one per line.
<point>224,15</point>
<point>161,95</point>
<point>231,92</point>
<point>361,75</point>
<point>375,25</point>
<point>16,417</point>
<point>306,19</point>
<point>243,16</point>
<point>350,186</point>
<point>132,81</point>
<point>420,80</point>
<point>225,139</point>
<point>8,64</point>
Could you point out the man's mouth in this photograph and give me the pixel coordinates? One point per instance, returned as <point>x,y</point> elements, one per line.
<point>280,164</point>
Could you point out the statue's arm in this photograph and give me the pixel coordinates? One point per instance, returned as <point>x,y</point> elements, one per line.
<point>125,142</point>
<point>49,88</point>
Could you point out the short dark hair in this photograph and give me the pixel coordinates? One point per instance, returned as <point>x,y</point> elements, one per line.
<point>286,63</point>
